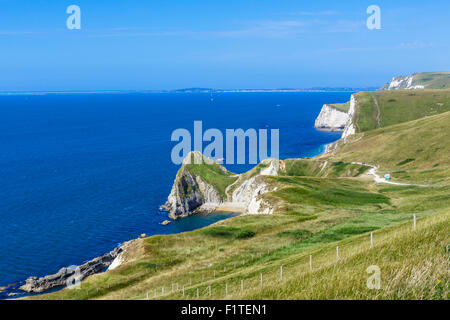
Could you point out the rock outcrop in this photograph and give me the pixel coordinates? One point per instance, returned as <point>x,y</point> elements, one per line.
<point>249,194</point>
<point>70,275</point>
<point>189,191</point>
<point>331,118</point>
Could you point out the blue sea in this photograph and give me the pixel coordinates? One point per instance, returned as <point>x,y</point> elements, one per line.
<point>81,173</point>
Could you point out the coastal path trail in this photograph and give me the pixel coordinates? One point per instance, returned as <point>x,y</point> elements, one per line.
<point>230,197</point>
<point>378,179</point>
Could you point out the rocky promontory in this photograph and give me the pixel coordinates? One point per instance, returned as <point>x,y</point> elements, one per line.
<point>70,275</point>
<point>190,191</point>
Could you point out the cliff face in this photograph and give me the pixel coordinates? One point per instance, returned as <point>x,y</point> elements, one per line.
<point>249,194</point>
<point>403,83</point>
<point>331,118</point>
<point>350,126</point>
<point>190,192</point>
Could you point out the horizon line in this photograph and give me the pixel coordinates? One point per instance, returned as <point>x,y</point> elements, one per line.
<point>193,90</point>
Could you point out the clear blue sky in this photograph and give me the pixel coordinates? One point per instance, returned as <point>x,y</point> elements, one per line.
<point>221,44</point>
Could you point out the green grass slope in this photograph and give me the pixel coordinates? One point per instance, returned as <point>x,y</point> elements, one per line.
<point>341,106</point>
<point>416,151</point>
<point>214,175</point>
<point>385,108</point>
<point>413,264</point>
<point>433,80</point>
<point>318,168</point>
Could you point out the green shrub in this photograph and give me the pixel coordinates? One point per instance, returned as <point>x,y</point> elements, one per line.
<point>228,232</point>
<point>299,234</point>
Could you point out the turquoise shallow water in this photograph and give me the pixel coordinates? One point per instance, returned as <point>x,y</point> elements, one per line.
<point>81,173</point>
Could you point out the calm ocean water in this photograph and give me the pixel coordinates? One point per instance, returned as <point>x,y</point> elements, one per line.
<point>80,173</point>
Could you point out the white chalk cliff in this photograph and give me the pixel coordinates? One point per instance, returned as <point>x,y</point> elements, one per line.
<point>331,118</point>
<point>249,194</point>
<point>350,126</point>
<point>403,83</point>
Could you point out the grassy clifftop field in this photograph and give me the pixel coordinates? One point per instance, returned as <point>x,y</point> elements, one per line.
<point>341,106</point>
<point>379,109</point>
<point>321,204</point>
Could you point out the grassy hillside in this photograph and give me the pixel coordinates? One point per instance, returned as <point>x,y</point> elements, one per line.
<point>433,80</point>
<point>385,108</point>
<point>214,175</point>
<point>317,168</point>
<point>416,151</point>
<point>414,266</point>
<point>341,106</point>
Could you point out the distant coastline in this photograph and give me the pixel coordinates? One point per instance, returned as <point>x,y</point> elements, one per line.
<point>191,90</point>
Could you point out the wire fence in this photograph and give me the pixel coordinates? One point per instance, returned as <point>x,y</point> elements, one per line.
<point>236,280</point>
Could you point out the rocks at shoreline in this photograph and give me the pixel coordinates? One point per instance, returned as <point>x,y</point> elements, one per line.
<point>69,275</point>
